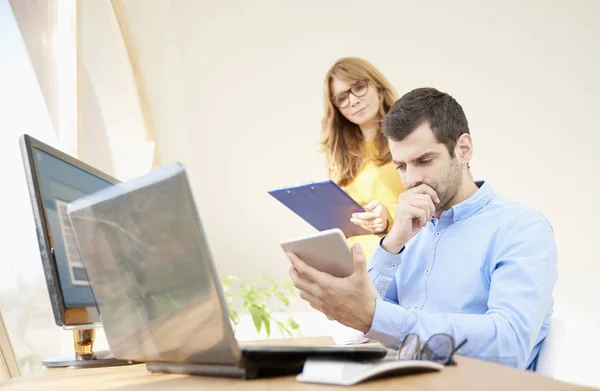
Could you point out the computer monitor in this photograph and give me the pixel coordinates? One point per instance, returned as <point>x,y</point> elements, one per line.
<point>54,179</point>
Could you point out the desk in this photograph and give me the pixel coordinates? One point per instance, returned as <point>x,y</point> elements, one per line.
<point>469,374</point>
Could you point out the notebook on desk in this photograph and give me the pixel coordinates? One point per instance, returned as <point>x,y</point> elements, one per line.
<point>324,205</point>
<point>153,276</point>
<point>349,373</point>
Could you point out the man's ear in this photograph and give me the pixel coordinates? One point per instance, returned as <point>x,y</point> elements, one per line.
<point>464,148</point>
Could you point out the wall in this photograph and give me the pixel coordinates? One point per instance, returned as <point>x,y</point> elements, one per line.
<point>112,128</point>
<point>235,94</point>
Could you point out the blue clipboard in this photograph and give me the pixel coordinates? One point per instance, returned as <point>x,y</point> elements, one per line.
<point>324,205</point>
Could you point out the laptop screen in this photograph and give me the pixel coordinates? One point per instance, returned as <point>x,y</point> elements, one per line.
<point>148,260</point>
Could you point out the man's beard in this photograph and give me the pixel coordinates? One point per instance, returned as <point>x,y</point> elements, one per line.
<point>448,187</point>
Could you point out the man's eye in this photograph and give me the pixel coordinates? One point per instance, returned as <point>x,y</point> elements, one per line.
<point>426,161</point>
<point>401,167</point>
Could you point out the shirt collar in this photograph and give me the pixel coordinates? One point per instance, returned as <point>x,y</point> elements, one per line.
<point>468,207</point>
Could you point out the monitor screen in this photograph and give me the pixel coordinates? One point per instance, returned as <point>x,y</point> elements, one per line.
<point>60,183</point>
<point>54,180</point>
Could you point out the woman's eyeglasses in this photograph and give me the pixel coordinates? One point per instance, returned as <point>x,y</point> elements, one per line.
<point>358,89</point>
<point>439,348</point>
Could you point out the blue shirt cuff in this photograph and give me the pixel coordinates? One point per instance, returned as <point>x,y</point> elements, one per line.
<point>388,322</point>
<point>384,262</point>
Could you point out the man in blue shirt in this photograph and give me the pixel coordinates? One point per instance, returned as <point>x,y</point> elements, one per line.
<point>459,259</point>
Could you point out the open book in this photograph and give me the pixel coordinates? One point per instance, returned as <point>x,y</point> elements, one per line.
<point>347,373</point>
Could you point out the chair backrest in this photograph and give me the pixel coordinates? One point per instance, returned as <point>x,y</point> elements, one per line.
<point>9,367</point>
<point>546,360</point>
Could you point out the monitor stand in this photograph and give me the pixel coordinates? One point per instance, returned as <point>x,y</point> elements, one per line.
<point>84,356</point>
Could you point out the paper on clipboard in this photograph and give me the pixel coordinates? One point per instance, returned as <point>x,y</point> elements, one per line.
<point>324,205</point>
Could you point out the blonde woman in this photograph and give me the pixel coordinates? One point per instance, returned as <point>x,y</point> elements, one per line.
<point>357,97</point>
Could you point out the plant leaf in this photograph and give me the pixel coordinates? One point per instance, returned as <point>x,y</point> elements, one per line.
<point>233,315</point>
<point>283,299</point>
<point>293,324</point>
<point>266,318</point>
<point>283,329</point>
<point>256,318</point>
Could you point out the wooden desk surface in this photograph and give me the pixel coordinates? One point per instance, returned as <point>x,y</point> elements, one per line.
<point>469,374</point>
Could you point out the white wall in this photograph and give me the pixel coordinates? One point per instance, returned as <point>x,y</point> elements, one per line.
<point>245,80</point>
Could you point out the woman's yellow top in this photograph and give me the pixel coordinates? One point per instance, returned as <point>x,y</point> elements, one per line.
<point>381,183</point>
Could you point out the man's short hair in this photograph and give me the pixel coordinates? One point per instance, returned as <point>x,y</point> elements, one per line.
<point>443,113</point>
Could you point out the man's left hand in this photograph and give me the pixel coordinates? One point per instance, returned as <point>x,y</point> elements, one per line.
<point>350,300</point>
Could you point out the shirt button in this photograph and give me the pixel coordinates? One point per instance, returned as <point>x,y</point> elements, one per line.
<point>416,307</point>
<point>380,293</point>
<point>427,270</point>
<point>437,234</point>
<point>393,265</point>
<point>456,220</point>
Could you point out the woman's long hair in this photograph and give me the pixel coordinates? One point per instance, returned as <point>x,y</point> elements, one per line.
<point>341,139</point>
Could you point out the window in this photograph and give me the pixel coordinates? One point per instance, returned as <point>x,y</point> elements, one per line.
<point>24,300</point>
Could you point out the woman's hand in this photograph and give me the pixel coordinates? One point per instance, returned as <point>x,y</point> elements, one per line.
<point>374,219</point>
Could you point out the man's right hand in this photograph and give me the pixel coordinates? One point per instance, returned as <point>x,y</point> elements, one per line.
<point>415,208</point>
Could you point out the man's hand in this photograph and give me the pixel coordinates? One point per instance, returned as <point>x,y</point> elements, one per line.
<point>350,300</point>
<point>415,208</point>
<point>374,219</point>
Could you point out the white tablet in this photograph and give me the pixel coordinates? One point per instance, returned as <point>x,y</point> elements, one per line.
<point>327,251</point>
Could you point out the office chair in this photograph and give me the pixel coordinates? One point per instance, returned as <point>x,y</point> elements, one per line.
<point>546,360</point>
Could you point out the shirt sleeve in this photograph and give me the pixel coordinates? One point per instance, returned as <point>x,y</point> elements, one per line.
<point>382,268</point>
<point>523,271</point>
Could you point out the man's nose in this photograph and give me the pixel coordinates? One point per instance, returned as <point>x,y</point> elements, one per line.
<point>413,177</point>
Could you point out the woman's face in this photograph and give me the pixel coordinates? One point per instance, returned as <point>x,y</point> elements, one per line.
<point>358,102</point>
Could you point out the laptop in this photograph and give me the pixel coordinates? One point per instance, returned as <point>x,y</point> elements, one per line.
<point>153,276</point>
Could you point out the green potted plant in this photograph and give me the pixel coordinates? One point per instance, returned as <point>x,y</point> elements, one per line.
<point>261,297</point>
